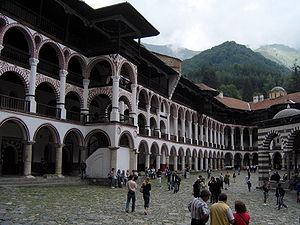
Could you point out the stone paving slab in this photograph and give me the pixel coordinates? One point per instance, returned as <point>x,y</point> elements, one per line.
<point>89,204</point>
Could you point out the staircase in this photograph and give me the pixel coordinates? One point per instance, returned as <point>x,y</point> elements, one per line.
<point>40,181</point>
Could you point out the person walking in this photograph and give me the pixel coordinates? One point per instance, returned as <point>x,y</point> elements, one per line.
<point>131,187</point>
<point>281,193</point>
<point>83,169</point>
<point>220,212</point>
<point>158,177</point>
<point>212,185</point>
<point>226,181</point>
<point>196,187</point>
<point>241,217</point>
<point>234,176</point>
<point>265,189</point>
<point>221,177</point>
<point>249,184</point>
<point>199,209</point>
<point>146,187</point>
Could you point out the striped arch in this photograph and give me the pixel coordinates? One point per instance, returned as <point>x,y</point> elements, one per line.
<point>164,148</point>
<point>95,60</point>
<point>144,142</point>
<point>91,133</point>
<point>156,148</point>
<point>53,131</point>
<point>288,146</point>
<point>58,50</point>
<point>132,68</point>
<point>78,91</point>
<point>125,98</point>
<point>78,134</point>
<point>23,75</point>
<point>82,61</point>
<point>268,138</point>
<point>188,152</point>
<point>99,91</point>
<point>52,82</point>
<point>26,33</point>
<point>181,151</point>
<point>22,125</point>
<point>130,138</point>
<point>173,151</point>
<point>200,153</point>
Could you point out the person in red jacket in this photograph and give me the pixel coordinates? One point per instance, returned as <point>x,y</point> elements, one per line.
<point>241,217</point>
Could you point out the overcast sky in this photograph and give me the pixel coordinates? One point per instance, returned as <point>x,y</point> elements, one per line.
<point>202,24</point>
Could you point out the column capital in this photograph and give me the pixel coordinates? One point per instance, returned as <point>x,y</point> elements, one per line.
<point>33,61</point>
<point>133,86</point>
<point>85,82</point>
<point>115,78</point>
<point>63,73</point>
<point>28,142</point>
<point>113,148</point>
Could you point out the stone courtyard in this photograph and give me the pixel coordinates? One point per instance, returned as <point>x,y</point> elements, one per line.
<point>89,204</point>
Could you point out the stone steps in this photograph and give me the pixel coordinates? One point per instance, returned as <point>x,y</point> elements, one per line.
<point>40,181</point>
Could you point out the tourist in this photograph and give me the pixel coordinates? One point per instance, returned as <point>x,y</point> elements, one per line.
<point>248,182</point>
<point>112,177</point>
<point>158,177</point>
<point>199,209</point>
<point>281,192</point>
<point>168,175</point>
<point>124,177</point>
<point>226,181</point>
<point>233,176</point>
<point>146,187</point>
<point>131,187</point>
<point>265,189</point>
<point>196,187</point>
<point>175,179</point>
<point>217,189</point>
<point>208,173</point>
<point>83,169</point>
<point>212,185</point>
<point>249,173</point>
<point>202,184</point>
<point>221,177</point>
<point>241,217</point>
<point>220,212</point>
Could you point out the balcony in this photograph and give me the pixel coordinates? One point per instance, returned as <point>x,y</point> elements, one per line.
<point>96,118</point>
<point>127,120</point>
<point>143,131</point>
<point>142,106</point>
<point>188,141</point>
<point>181,139</point>
<point>173,137</point>
<point>125,84</point>
<point>74,116</point>
<point>153,110</point>
<point>195,142</point>
<point>164,136</point>
<point>154,133</point>
<point>48,68</point>
<point>15,56</point>
<point>47,110</point>
<point>15,104</point>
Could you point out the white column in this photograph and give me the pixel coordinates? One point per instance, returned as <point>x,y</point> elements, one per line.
<point>183,162</point>
<point>206,163</point>
<point>115,115</point>
<point>183,128</point>
<point>201,163</point>
<point>201,133</point>
<point>157,162</point>
<point>62,91</point>
<point>232,161</point>
<point>167,161</point>
<point>223,138</point>
<point>147,127</point>
<point>168,126</point>
<point>190,162</point>
<point>175,162</point>
<point>219,138</point>
<point>190,129</point>
<point>211,135</point>
<point>158,122</point>
<point>83,153</point>
<point>232,137</point>
<point>133,112</point>
<point>147,160</point>
<point>58,160</point>
<point>1,47</point>
<point>176,127</point>
<point>121,107</point>
<point>28,159</point>
<point>85,83</point>
<point>32,80</point>
<point>242,138</point>
<point>196,163</point>
<point>196,132</point>
<point>206,134</point>
<point>250,138</point>
<point>215,137</point>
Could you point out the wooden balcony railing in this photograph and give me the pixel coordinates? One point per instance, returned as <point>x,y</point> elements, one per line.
<point>125,84</point>
<point>96,118</point>
<point>143,131</point>
<point>12,103</point>
<point>15,56</point>
<point>126,120</point>
<point>49,111</point>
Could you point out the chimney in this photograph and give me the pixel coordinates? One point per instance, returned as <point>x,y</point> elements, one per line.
<point>261,98</point>
<point>255,99</point>
<point>221,94</point>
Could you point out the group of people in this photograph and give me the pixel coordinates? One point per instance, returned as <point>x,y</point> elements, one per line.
<point>119,178</point>
<point>219,213</point>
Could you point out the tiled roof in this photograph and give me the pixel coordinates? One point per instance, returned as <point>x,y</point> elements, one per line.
<point>233,103</point>
<point>205,87</point>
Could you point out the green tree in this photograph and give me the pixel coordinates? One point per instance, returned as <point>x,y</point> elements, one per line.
<point>230,90</point>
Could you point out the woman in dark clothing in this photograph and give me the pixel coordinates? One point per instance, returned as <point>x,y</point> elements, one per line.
<point>146,186</point>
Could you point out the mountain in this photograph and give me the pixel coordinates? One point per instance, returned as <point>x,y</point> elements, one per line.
<point>181,53</point>
<point>234,67</point>
<point>281,54</point>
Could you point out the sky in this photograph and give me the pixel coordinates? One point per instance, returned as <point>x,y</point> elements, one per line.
<point>202,24</point>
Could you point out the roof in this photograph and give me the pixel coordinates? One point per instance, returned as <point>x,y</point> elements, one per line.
<point>277,89</point>
<point>203,86</point>
<point>234,103</point>
<point>287,113</point>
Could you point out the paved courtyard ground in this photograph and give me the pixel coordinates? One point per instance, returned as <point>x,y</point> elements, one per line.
<point>103,205</point>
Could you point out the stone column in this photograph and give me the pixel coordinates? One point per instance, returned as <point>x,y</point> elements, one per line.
<point>168,126</point>
<point>175,163</point>
<point>250,138</point>
<point>201,163</point>
<point>133,112</point>
<point>32,80</point>
<point>263,166</point>
<point>196,133</point>
<point>183,162</point>
<point>133,159</point>
<point>115,115</point>
<point>28,159</point>
<point>211,136</point>
<point>62,91</point>
<point>158,122</point>
<point>157,162</point>
<point>196,163</point>
<point>232,161</point>
<point>147,160</point>
<point>215,136</point>
<point>223,139</point>
<point>83,153</point>
<point>242,138</point>
<point>183,128</point>
<point>190,129</point>
<point>147,127</point>
<point>190,162</point>
<point>206,135</point>
<point>283,163</point>
<point>232,137</point>
<point>219,139</point>
<point>58,160</point>
<point>201,133</point>
<point>84,109</point>
<point>176,127</point>
<point>206,163</point>
<point>168,161</point>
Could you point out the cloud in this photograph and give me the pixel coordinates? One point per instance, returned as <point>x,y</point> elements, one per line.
<point>201,24</point>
